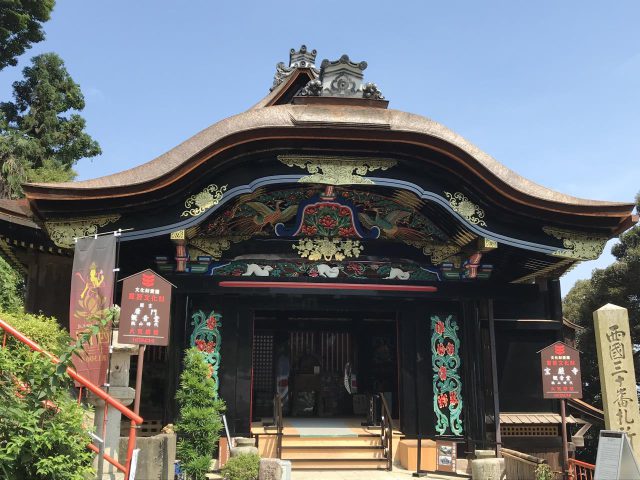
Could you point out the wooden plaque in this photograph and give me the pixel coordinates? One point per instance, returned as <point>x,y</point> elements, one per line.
<point>145,309</point>
<point>561,373</point>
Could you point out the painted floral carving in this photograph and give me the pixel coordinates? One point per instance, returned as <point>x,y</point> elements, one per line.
<point>207,338</point>
<point>447,385</point>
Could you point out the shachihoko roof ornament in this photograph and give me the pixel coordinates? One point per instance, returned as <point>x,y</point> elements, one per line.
<point>302,58</point>
<point>341,78</point>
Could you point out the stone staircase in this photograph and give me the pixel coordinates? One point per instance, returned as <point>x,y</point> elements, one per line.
<point>363,451</point>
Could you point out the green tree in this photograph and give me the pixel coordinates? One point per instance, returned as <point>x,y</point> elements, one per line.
<point>41,134</point>
<point>21,26</point>
<point>619,284</point>
<point>11,284</point>
<point>199,423</point>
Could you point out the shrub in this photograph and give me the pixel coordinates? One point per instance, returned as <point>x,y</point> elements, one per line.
<point>45,331</point>
<point>11,286</point>
<point>42,436</point>
<point>242,467</point>
<point>199,423</point>
<point>544,472</point>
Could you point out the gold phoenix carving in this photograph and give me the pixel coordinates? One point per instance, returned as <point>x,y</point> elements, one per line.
<point>328,249</point>
<point>578,245</point>
<point>333,170</point>
<point>201,202</point>
<point>64,232</point>
<point>464,207</point>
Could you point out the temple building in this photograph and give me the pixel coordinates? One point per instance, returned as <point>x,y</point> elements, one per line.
<point>338,262</point>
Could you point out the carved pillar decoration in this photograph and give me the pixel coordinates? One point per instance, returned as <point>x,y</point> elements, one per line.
<point>179,238</point>
<point>447,385</point>
<point>207,338</point>
<point>63,232</point>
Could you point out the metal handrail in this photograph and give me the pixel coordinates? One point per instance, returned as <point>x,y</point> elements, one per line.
<point>93,388</point>
<point>278,421</point>
<point>581,470</point>
<point>386,431</point>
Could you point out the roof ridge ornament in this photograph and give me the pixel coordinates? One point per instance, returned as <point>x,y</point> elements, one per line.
<point>342,78</point>
<point>302,58</point>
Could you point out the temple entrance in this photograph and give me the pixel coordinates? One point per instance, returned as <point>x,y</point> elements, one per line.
<point>323,364</point>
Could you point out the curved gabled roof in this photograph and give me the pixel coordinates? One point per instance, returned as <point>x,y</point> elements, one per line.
<point>294,117</point>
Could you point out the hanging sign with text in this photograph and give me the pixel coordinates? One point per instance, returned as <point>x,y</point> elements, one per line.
<point>145,309</point>
<point>561,375</point>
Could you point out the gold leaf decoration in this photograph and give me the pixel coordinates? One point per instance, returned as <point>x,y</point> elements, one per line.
<point>439,252</point>
<point>328,249</point>
<point>201,202</point>
<point>464,207</point>
<point>215,246</point>
<point>331,170</point>
<point>178,235</point>
<point>63,232</point>
<point>578,245</point>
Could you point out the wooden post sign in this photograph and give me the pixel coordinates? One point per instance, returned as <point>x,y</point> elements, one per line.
<point>561,374</point>
<point>145,309</point>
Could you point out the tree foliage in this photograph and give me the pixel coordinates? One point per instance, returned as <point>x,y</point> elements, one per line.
<point>42,434</point>
<point>619,284</point>
<point>11,285</point>
<point>41,134</point>
<point>21,26</point>
<point>199,423</point>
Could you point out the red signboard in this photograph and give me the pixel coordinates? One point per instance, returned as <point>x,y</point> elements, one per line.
<point>145,309</point>
<point>561,373</point>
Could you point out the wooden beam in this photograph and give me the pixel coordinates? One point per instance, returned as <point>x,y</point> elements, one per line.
<point>327,286</point>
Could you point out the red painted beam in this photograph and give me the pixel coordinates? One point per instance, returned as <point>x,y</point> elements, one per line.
<point>329,286</point>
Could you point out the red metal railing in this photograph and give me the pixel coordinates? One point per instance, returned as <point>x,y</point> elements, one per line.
<point>581,470</point>
<point>97,391</point>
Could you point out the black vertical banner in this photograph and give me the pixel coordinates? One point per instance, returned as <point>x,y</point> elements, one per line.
<point>91,296</point>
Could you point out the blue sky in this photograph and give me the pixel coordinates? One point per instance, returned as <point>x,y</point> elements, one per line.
<point>550,89</point>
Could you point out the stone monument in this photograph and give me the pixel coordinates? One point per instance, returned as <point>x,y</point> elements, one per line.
<point>617,373</point>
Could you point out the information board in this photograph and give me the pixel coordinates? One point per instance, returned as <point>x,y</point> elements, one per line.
<point>561,375</point>
<point>615,459</point>
<point>145,309</point>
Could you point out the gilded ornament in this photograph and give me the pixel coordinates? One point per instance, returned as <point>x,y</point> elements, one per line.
<point>438,252</point>
<point>64,232</point>
<point>328,249</point>
<point>578,245</point>
<point>464,207</point>
<point>215,246</point>
<point>178,235</point>
<point>201,202</point>
<point>337,170</point>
